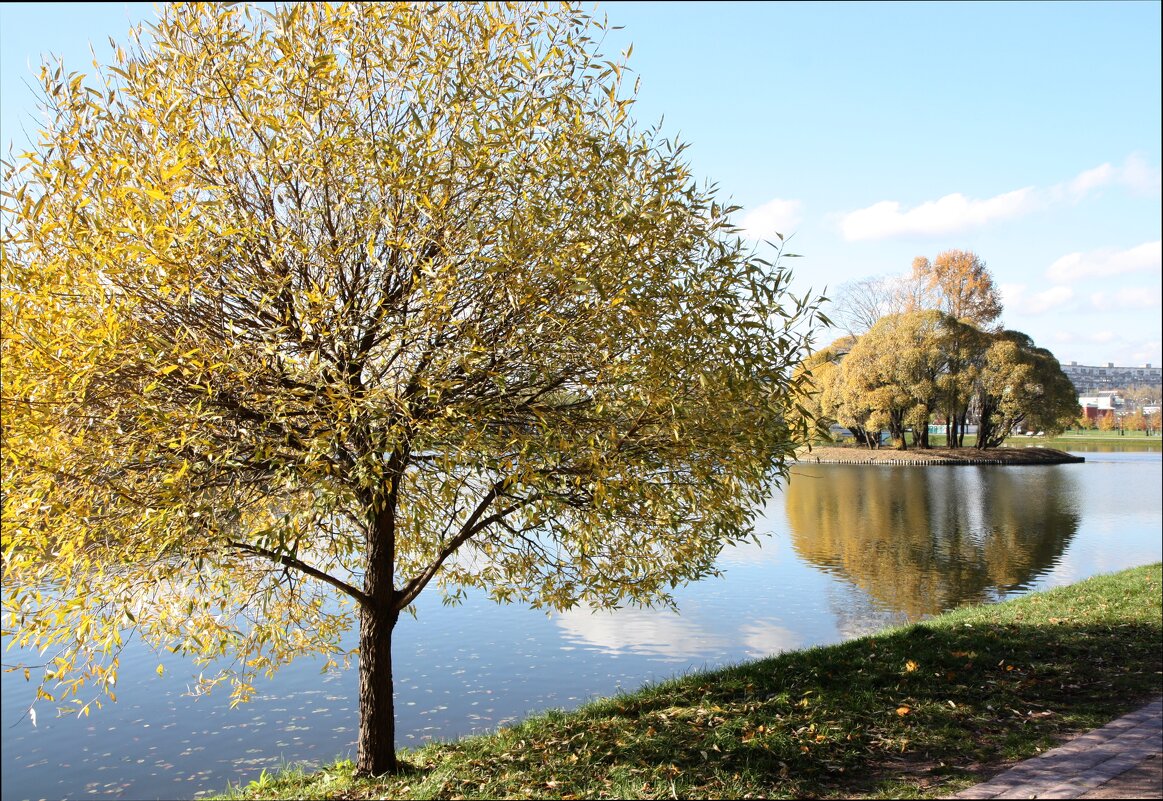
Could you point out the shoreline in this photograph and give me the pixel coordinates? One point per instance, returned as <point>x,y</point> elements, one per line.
<point>935,456</point>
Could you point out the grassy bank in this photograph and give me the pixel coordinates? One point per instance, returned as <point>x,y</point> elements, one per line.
<point>918,711</point>
<point>1099,440</point>
<point>1068,439</point>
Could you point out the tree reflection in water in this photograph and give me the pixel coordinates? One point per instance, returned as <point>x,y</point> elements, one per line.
<point>923,540</point>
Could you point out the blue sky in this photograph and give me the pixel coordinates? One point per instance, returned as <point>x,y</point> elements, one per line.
<point>874,133</point>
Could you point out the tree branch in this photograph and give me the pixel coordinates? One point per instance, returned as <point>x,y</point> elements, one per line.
<point>474,524</point>
<point>303,567</point>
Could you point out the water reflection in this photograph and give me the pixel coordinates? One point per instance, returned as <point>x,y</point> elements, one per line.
<point>1133,445</point>
<point>920,541</point>
<point>670,635</point>
<point>658,632</point>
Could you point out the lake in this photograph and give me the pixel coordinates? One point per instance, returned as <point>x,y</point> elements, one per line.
<point>845,550</point>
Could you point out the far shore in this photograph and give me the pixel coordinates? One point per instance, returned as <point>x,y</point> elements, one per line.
<point>831,454</point>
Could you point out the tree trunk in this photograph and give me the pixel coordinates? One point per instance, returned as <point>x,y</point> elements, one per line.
<point>377,706</point>
<point>378,616</point>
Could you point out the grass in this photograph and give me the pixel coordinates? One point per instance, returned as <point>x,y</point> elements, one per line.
<point>1080,440</point>
<point>918,711</point>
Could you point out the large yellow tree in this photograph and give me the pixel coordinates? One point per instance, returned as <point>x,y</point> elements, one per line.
<point>341,302</point>
<point>895,369</point>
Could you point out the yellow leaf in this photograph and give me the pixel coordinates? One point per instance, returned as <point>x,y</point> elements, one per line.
<point>160,670</point>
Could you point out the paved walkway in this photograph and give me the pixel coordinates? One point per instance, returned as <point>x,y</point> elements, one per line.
<point>1120,760</point>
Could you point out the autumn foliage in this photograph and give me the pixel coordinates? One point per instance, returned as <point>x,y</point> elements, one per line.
<point>307,310</point>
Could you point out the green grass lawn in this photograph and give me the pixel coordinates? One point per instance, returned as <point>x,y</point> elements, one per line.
<point>1102,436</point>
<point>918,711</point>
<point>1062,441</point>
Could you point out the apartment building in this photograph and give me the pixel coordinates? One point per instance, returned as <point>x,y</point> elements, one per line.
<point>1090,380</point>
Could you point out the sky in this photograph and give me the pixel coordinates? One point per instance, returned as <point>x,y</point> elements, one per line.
<point>869,134</point>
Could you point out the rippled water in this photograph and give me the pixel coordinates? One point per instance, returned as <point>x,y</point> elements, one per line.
<point>845,550</point>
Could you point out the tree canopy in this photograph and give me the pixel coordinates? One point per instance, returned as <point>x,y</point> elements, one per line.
<point>341,301</point>
<point>1021,384</point>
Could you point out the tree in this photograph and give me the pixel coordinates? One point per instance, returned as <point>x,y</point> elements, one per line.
<point>1021,384</point>
<point>958,283</point>
<point>820,372</point>
<point>345,301</point>
<point>965,346</point>
<point>827,398</point>
<point>1140,394</point>
<point>859,304</point>
<point>896,368</point>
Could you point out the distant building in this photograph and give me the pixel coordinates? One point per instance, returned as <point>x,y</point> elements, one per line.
<point>1089,380</point>
<point>1101,405</point>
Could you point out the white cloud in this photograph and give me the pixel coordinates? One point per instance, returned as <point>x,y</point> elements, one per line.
<point>774,216</point>
<point>1106,262</point>
<point>1016,298</point>
<point>947,215</point>
<point>1089,180</point>
<point>1011,294</point>
<point>1135,174</point>
<point>1147,353</point>
<point>1122,347</point>
<point>955,212</point>
<point>1139,175</point>
<point>1127,299</point>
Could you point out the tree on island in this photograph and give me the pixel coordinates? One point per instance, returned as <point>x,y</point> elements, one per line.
<point>928,344</point>
<point>1021,386</point>
<point>347,301</point>
<point>897,367</point>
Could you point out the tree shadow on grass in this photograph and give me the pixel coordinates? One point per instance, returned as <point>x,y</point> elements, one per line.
<point>926,701</point>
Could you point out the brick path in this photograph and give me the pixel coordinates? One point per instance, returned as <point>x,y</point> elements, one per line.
<point>1120,760</point>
